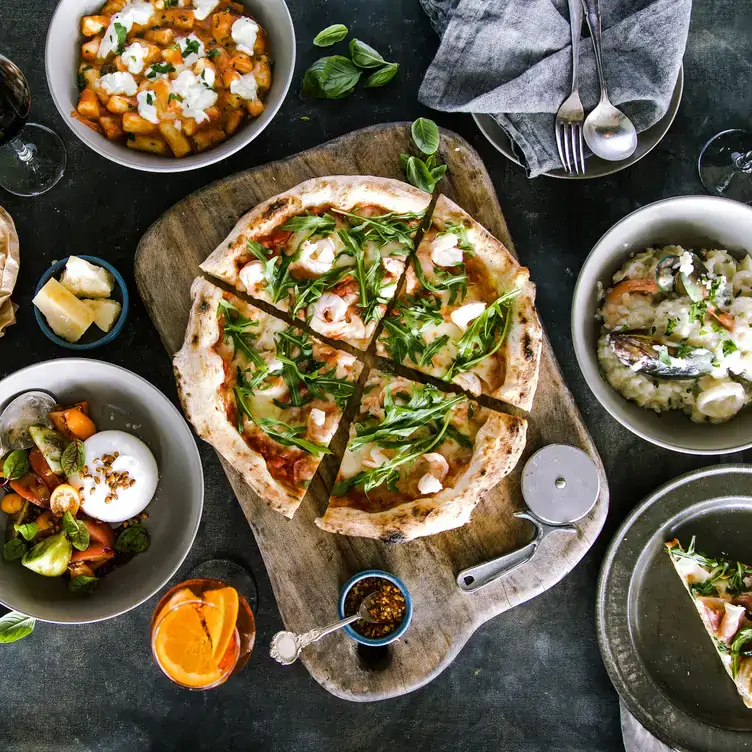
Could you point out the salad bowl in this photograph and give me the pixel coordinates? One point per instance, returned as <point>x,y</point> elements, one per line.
<point>118,401</point>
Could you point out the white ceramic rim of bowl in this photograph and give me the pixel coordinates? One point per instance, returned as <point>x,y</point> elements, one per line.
<point>196,456</point>
<point>172,164</point>
<point>610,398</point>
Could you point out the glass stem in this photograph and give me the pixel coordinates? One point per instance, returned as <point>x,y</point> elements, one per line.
<point>23,151</point>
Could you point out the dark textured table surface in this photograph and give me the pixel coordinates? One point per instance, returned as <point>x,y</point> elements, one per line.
<point>531,679</point>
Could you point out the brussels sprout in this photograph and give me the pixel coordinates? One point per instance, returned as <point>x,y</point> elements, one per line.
<point>51,557</point>
<point>51,444</point>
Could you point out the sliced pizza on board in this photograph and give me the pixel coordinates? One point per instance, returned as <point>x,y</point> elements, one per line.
<point>721,590</point>
<point>418,461</point>
<point>266,395</point>
<point>329,251</point>
<point>467,313</point>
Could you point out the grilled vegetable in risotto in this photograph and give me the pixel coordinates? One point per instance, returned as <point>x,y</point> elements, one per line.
<point>676,332</point>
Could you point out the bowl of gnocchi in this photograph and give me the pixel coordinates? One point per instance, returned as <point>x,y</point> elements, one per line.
<point>169,85</point>
<point>662,323</point>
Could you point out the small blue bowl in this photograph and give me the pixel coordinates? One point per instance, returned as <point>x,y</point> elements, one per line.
<point>120,294</point>
<point>397,632</point>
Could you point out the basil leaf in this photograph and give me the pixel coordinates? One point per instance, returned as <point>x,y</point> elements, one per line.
<point>14,549</point>
<point>77,532</point>
<point>15,626</point>
<point>417,173</point>
<point>382,76</point>
<point>82,584</point>
<point>214,52</point>
<point>404,158</point>
<point>133,540</point>
<point>27,531</point>
<point>426,135</point>
<point>330,35</point>
<point>330,78</point>
<point>122,34</point>
<point>73,458</point>
<point>364,56</point>
<point>438,172</point>
<point>16,465</point>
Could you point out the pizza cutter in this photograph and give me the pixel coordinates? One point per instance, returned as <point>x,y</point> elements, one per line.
<point>560,485</point>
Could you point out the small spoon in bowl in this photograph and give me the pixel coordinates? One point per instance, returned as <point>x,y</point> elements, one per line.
<point>608,132</point>
<point>286,646</point>
<point>28,409</point>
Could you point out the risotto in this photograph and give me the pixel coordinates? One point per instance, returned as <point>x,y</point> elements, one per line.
<point>677,332</point>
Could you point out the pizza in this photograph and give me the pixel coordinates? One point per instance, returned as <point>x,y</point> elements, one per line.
<point>329,251</point>
<point>721,590</point>
<point>467,312</point>
<point>266,395</point>
<point>418,461</point>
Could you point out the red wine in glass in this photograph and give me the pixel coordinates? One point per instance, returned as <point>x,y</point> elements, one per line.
<point>32,157</point>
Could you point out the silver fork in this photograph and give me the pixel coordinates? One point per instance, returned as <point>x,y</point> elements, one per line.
<point>571,115</point>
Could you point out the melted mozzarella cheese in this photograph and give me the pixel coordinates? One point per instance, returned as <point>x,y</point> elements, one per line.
<point>203,8</point>
<point>244,32</point>
<point>133,13</point>
<point>195,95</point>
<point>245,86</point>
<point>146,107</point>
<point>133,57</point>
<point>196,47</point>
<point>119,83</point>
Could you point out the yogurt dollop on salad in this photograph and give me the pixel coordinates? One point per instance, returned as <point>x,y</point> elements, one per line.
<point>75,501</point>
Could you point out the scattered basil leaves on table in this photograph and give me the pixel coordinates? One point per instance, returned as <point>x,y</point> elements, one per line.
<point>73,458</point>
<point>332,77</point>
<point>77,532</point>
<point>14,549</point>
<point>133,540</point>
<point>27,531</point>
<point>16,465</point>
<point>424,174</point>
<point>382,76</point>
<point>330,35</point>
<point>82,584</point>
<point>15,626</point>
<point>364,56</point>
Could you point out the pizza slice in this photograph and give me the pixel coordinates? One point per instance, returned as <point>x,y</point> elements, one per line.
<point>329,251</point>
<point>418,461</point>
<point>466,313</point>
<point>267,396</point>
<point>721,590</point>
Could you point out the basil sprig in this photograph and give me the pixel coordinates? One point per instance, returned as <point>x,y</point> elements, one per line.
<point>133,540</point>
<point>27,530</point>
<point>77,532</point>
<point>382,76</point>
<point>15,626</point>
<point>424,174</point>
<point>330,35</point>
<point>365,56</point>
<point>16,465</point>
<point>332,77</point>
<point>14,549</point>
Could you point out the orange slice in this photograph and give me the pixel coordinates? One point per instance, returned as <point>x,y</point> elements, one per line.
<point>178,597</point>
<point>220,618</point>
<point>184,650</point>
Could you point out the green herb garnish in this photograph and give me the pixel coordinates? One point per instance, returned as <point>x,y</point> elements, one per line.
<point>729,346</point>
<point>382,76</point>
<point>122,35</point>
<point>237,328</point>
<point>331,78</point>
<point>15,465</point>
<point>157,68</point>
<point>330,35</point>
<point>133,540</point>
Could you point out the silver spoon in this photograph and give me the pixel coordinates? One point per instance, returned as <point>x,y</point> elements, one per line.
<point>286,646</point>
<point>26,410</point>
<point>608,132</point>
<point>560,485</point>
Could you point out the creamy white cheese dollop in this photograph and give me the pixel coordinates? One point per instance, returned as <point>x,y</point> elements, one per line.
<point>203,8</point>
<point>196,97</point>
<point>133,57</point>
<point>119,83</point>
<point>245,86</point>
<point>132,13</point>
<point>147,107</point>
<point>244,32</point>
<point>191,48</point>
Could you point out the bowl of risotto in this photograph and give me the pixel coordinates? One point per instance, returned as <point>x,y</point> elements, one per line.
<point>662,323</point>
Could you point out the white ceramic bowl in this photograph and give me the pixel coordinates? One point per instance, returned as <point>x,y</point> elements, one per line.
<point>118,400</point>
<point>61,62</point>
<point>690,221</point>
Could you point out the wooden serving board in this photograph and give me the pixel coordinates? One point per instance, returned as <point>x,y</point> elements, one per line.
<point>307,566</point>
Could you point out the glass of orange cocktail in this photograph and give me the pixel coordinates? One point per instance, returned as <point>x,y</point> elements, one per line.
<point>202,633</point>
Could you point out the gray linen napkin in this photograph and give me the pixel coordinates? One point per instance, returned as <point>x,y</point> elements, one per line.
<point>512,58</point>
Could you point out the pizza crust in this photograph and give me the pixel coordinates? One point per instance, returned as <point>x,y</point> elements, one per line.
<point>522,348</point>
<point>498,446</point>
<point>342,191</point>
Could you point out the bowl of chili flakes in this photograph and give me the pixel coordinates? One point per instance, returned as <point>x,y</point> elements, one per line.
<point>393,606</point>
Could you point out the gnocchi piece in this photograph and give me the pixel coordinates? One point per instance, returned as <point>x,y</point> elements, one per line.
<point>88,105</point>
<point>241,62</point>
<point>161,37</point>
<point>262,72</point>
<point>93,25</point>
<point>152,144</point>
<point>90,49</point>
<point>175,18</point>
<point>205,139</point>
<point>134,123</point>
<point>112,127</point>
<point>255,107</point>
<point>233,119</point>
<point>176,140</point>
<point>119,104</point>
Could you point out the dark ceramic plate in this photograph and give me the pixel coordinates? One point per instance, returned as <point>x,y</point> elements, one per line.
<point>594,167</point>
<point>654,645</point>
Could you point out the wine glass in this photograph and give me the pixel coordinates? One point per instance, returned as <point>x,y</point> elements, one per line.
<point>32,157</point>
<point>725,165</point>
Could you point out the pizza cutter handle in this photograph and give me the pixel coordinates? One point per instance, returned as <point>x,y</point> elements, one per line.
<point>474,578</point>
